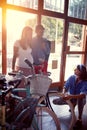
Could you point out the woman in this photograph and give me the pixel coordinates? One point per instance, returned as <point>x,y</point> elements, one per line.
<point>75,89</point>
<point>76,86</point>
<point>22,50</point>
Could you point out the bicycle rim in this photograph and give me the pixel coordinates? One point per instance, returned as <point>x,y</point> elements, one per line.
<point>45,119</point>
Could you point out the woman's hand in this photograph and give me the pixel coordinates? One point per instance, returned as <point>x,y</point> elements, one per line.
<point>67,96</point>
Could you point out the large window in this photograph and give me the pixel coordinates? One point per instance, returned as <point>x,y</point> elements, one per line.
<point>54,5</point>
<point>54,32</point>
<point>75,50</point>
<point>75,37</point>
<point>65,24</point>
<point>72,60</point>
<point>78,9</point>
<point>14,28</point>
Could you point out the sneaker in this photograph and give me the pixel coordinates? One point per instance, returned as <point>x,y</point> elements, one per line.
<point>59,101</point>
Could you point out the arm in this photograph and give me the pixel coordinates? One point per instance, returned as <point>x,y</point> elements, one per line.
<point>15,55</point>
<point>68,84</point>
<point>67,97</point>
<point>64,90</point>
<point>70,96</point>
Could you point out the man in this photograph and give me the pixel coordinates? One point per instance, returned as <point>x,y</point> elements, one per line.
<point>40,50</point>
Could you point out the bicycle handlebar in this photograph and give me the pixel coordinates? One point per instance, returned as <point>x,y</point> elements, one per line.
<point>28,63</point>
<point>33,69</point>
<point>11,84</point>
<point>14,82</point>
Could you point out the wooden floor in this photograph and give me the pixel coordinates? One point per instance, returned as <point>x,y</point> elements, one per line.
<point>64,115</point>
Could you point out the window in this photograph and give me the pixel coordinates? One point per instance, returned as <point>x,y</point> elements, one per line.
<point>65,24</point>
<point>54,5</point>
<point>75,37</point>
<point>33,4</point>
<point>75,50</point>
<point>78,9</point>
<point>71,61</point>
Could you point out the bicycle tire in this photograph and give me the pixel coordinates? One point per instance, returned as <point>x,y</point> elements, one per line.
<point>68,102</point>
<point>45,119</point>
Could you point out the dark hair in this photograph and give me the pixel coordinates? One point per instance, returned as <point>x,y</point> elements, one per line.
<point>83,71</point>
<point>39,27</point>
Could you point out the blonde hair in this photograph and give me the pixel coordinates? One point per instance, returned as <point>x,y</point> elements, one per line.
<point>24,32</point>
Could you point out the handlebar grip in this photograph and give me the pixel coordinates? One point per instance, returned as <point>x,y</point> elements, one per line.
<point>12,84</point>
<point>28,62</point>
<point>12,73</point>
<point>15,81</point>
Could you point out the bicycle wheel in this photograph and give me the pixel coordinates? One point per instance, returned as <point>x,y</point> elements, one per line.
<point>55,95</point>
<point>45,119</point>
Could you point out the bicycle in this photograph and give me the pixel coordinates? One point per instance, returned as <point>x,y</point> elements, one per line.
<point>5,88</point>
<point>42,113</point>
<point>15,120</point>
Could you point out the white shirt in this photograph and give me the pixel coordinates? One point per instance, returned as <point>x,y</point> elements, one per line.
<point>22,54</point>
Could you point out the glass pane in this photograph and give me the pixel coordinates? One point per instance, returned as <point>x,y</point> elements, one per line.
<point>54,5</point>
<point>33,4</point>
<point>78,9</point>
<point>14,29</point>
<point>54,32</point>
<point>71,61</point>
<point>0,40</point>
<point>75,37</point>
